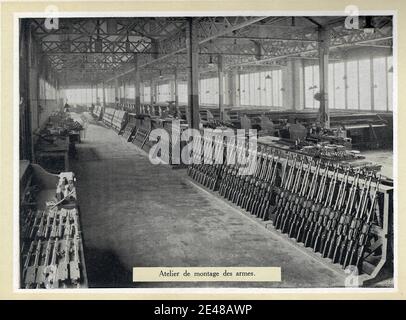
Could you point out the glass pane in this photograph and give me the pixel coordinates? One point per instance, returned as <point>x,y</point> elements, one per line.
<point>339,85</point>
<point>365,84</point>
<point>390,82</point>
<point>352,84</point>
<point>380,90</point>
<point>331,85</point>
<point>308,74</point>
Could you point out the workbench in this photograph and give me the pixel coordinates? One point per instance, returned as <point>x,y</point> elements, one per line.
<point>52,155</point>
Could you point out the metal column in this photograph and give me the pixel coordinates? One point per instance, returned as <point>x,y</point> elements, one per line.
<point>192,55</point>
<point>137,84</point>
<point>324,43</point>
<point>220,74</point>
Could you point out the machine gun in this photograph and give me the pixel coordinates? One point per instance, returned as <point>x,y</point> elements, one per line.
<point>339,234</point>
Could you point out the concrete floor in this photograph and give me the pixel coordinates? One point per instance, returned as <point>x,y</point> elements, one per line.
<point>135,214</point>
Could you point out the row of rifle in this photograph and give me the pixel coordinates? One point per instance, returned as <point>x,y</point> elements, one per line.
<point>52,259</point>
<point>326,207</point>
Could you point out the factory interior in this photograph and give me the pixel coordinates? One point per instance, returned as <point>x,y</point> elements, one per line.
<point>315,94</point>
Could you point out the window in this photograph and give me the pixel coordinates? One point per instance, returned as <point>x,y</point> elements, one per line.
<point>379,85</point>
<point>182,93</point>
<point>311,75</point>
<point>352,85</point>
<point>365,84</point>
<point>389,70</point>
<point>339,85</point>
<point>208,92</point>
<point>146,94</point>
<point>261,89</point>
<point>164,92</point>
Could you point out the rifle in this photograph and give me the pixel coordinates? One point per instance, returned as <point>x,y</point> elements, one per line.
<point>269,193</point>
<point>250,180</point>
<point>339,234</point>
<point>27,260</point>
<point>40,279</point>
<point>324,212</point>
<point>34,225</point>
<point>298,204</point>
<point>334,216</point>
<point>287,212</point>
<point>74,266</point>
<point>254,191</point>
<point>315,209</point>
<point>304,212</point>
<point>365,230</point>
<point>351,225</point>
<point>31,270</point>
<point>262,187</point>
<point>62,270</point>
<point>356,223</point>
<point>50,270</point>
<point>54,228</point>
<point>282,195</point>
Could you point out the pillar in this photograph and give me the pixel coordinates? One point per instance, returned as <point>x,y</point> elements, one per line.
<point>137,84</point>
<point>220,74</point>
<point>324,42</point>
<point>192,55</point>
<point>292,82</point>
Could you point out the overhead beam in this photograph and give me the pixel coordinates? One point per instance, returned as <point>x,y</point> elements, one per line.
<point>206,34</point>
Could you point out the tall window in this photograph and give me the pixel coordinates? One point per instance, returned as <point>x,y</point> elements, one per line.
<point>352,84</point>
<point>358,84</point>
<point>208,92</point>
<point>146,96</point>
<point>164,92</point>
<point>364,84</point>
<point>311,75</point>
<point>262,89</point>
<point>182,93</point>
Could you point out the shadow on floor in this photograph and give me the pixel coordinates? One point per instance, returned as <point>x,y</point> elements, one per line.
<point>105,270</point>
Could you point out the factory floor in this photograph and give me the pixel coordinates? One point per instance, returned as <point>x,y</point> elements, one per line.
<point>135,214</point>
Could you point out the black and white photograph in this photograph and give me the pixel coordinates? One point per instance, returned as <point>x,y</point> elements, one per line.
<point>232,151</point>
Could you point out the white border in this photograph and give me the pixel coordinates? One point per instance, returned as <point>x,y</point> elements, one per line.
<point>214,290</point>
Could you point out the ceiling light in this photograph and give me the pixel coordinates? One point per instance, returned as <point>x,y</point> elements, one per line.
<point>127,45</point>
<point>210,64</point>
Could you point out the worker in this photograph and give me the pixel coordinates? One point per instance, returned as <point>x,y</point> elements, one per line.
<point>66,107</point>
